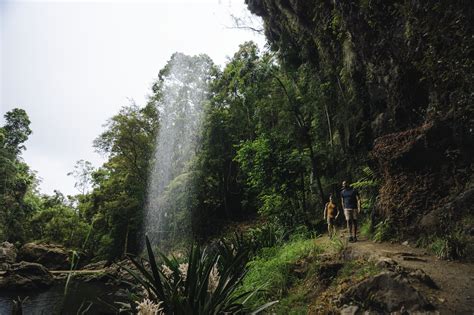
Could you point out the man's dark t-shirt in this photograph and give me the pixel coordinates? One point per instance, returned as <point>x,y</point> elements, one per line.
<point>349,198</point>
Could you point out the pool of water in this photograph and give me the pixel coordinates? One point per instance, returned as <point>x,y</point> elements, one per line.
<point>53,301</point>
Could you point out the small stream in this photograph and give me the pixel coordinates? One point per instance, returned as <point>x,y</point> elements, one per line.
<point>52,300</point>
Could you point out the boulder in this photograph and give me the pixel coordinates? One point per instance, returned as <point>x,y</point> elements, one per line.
<point>26,276</point>
<point>49,255</point>
<point>8,255</point>
<point>387,292</point>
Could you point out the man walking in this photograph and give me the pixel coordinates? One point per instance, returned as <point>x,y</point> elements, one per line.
<point>351,205</point>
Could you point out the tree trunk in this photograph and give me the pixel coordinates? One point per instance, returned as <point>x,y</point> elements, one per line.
<point>125,247</point>
<point>314,167</point>
<point>303,189</point>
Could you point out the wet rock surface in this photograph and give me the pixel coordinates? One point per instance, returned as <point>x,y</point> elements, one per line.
<point>49,255</point>
<point>26,276</point>
<point>96,265</point>
<point>8,254</point>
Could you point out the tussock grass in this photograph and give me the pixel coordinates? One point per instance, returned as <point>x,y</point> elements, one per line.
<point>366,228</point>
<point>272,269</point>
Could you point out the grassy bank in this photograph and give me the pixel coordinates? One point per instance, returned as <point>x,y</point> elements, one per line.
<point>303,274</point>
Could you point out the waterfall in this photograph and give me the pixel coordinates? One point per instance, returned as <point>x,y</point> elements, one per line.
<point>180,92</point>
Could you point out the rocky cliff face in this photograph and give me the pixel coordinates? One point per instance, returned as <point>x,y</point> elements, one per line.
<point>402,76</point>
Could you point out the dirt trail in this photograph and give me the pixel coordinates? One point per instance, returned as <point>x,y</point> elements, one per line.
<point>455,279</point>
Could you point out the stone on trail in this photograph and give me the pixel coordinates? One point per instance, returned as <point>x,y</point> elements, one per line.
<point>26,276</point>
<point>386,292</point>
<point>349,310</point>
<point>385,262</point>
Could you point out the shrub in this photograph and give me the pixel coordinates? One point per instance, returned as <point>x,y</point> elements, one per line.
<point>267,235</point>
<point>197,286</point>
<point>384,231</point>
<point>368,186</point>
<point>270,269</point>
<point>366,229</point>
<point>338,243</point>
<point>452,246</point>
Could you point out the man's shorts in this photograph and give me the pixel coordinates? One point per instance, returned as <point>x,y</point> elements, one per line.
<point>331,221</point>
<point>350,214</point>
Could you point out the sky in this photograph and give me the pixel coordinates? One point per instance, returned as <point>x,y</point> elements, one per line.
<point>71,65</point>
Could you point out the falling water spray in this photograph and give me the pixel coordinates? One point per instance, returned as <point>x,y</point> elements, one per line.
<point>183,88</point>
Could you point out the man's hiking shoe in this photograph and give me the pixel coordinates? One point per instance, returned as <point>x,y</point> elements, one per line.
<point>351,239</point>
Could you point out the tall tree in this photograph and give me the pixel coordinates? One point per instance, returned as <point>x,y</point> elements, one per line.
<point>114,207</point>
<point>16,177</point>
<point>16,130</point>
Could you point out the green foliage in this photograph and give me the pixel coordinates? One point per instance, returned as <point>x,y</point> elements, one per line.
<point>357,270</point>
<point>72,267</point>
<point>195,287</point>
<point>274,173</point>
<point>16,179</point>
<point>267,235</point>
<point>113,208</point>
<point>338,243</point>
<point>450,246</point>
<point>384,231</point>
<point>258,152</point>
<point>367,181</point>
<point>253,240</point>
<point>229,248</point>
<point>368,186</point>
<point>351,95</point>
<point>336,22</point>
<point>178,198</point>
<point>26,215</point>
<point>16,130</point>
<point>275,204</point>
<point>439,246</point>
<point>57,222</point>
<point>295,303</point>
<point>229,120</point>
<point>366,228</point>
<point>271,269</point>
